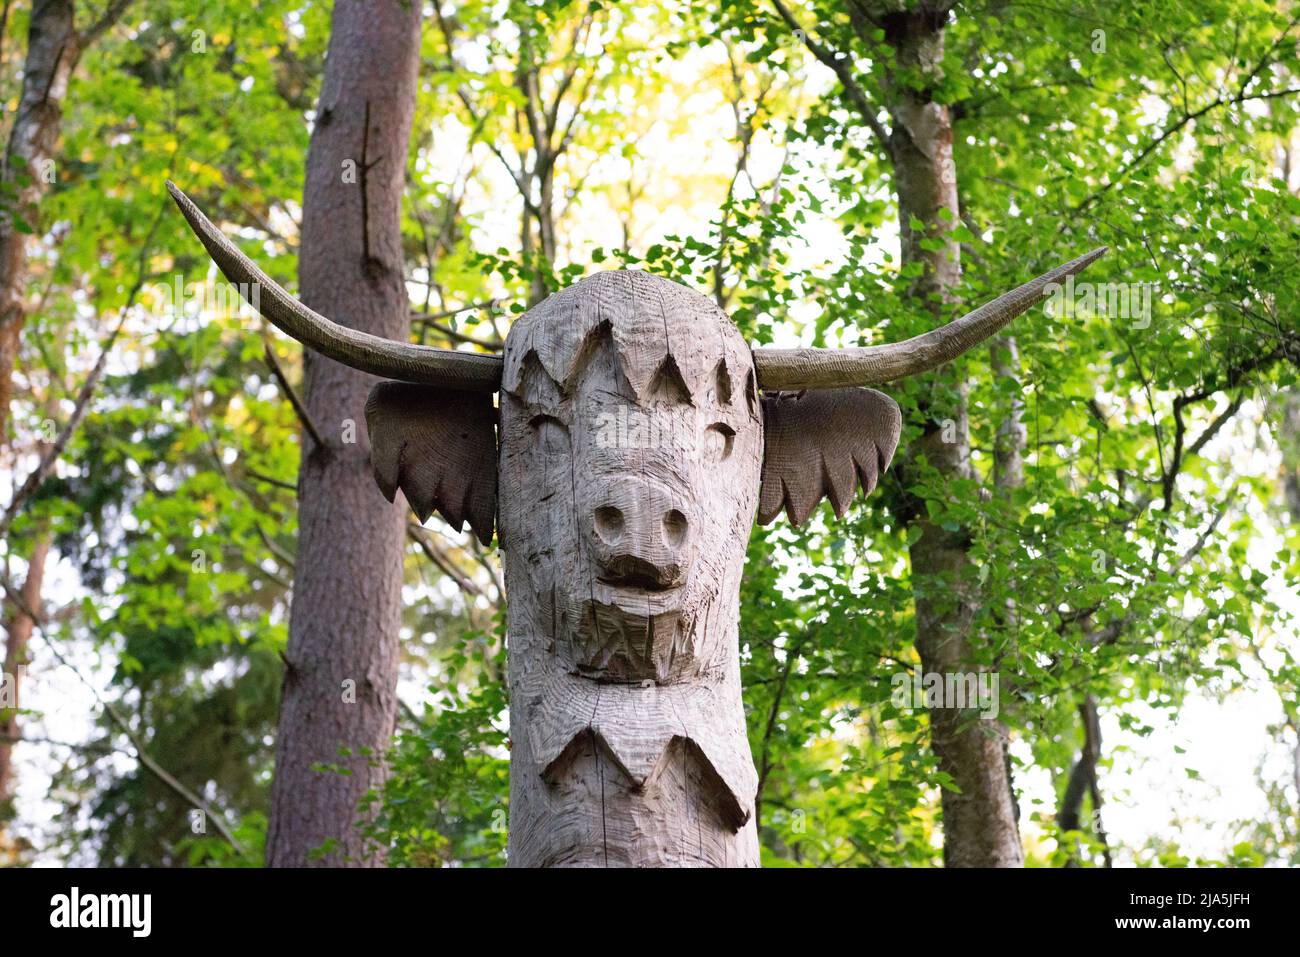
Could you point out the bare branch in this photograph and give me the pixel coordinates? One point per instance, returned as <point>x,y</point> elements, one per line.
<point>112,13</point>
<point>46,465</point>
<point>840,66</point>
<point>299,408</point>
<point>141,753</point>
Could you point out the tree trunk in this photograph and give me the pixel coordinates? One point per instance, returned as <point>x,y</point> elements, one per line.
<point>15,661</point>
<point>979,823</point>
<point>1290,442</point>
<point>1083,781</point>
<point>340,702</point>
<point>1009,475</point>
<point>53,48</point>
<point>1009,445</point>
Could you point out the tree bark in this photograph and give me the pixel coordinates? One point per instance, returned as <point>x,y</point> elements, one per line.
<point>1083,781</point>
<point>540,209</point>
<point>1009,475</point>
<point>15,661</point>
<point>1009,445</point>
<point>53,48</point>
<point>1290,442</point>
<point>979,823</point>
<point>340,704</point>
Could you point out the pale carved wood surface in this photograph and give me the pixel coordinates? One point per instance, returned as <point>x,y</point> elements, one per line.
<point>631,441</point>
<point>631,446</point>
<point>875,365</point>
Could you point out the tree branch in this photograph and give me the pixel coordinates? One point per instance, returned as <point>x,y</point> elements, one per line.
<point>1240,97</point>
<point>299,408</point>
<point>840,66</point>
<point>46,465</point>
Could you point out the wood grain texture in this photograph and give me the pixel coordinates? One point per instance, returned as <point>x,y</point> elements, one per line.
<point>824,444</point>
<point>439,447</point>
<point>631,442</point>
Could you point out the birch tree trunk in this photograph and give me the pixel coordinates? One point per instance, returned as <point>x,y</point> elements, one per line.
<point>979,823</point>
<point>19,630</point>
<point>53,49</point>
<point>1291,496</point>
<point>340,703</point>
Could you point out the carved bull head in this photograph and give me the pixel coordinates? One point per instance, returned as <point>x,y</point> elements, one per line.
<point>635,437</point>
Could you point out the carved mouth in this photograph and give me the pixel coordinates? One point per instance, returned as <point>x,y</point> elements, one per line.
<point>638,598</point>
<point>631,574</point>
<point>642,583</point>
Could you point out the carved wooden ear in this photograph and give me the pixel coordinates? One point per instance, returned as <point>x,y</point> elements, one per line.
<point>822,443</point>
<point>439,446</point>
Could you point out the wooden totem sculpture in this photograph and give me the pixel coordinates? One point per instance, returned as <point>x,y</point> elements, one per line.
<point>635,438</point>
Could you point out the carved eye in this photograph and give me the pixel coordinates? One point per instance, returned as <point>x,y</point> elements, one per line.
<point>551,435</point>
<point>717,442</point>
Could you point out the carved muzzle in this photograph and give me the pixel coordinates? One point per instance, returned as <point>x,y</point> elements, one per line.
<point>638,533</point>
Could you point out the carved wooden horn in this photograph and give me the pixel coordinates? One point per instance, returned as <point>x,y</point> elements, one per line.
<point>790,369</point>
<point>447,368</point>
<point>777,369</point>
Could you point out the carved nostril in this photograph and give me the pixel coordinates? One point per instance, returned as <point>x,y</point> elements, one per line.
<point>674,528</point>
<point>609,524</point>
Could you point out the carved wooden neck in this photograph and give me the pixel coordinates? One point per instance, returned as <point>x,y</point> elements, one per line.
<point>607,774</point>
